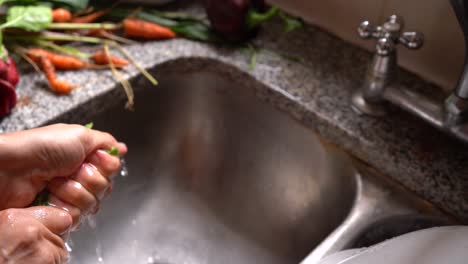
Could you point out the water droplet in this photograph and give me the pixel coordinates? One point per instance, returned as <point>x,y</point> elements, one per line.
<point>92,223</point>
<point>68,246</point>
<point>124,170</point>
<point>134,248</point>
<point>99,253</point>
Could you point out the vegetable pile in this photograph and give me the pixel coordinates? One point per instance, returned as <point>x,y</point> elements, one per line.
<point>46,34</point>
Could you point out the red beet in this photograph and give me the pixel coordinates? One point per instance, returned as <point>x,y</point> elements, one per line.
<point>228,17</point>
<point>9,72</point>
<point>9,78</point>
<point>12,75</point>
<point>3,69</point>
<point>7,97</point>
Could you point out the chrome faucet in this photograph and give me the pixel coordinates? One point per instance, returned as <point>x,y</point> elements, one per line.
<point>379,86</point>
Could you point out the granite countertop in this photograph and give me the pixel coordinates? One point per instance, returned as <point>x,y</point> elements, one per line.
<point>316,92</point>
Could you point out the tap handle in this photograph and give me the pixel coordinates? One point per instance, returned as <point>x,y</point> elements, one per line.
<point>390,34</point>
<point>461,11</point>
<point>366,30</point>
<point>412,40</point>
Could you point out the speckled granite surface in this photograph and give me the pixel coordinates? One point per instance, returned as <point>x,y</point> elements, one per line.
<point>316,92</point>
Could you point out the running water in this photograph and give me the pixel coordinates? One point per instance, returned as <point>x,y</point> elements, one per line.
<point>91,221</point>
<point>124,169</point>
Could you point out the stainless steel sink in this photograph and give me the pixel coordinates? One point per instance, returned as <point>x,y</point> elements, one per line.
<point>219,176</point>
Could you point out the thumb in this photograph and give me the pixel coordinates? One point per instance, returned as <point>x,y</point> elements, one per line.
<point>58,221</point>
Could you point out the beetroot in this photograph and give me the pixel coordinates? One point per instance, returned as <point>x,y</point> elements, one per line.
<point>12,75</point>
<point>9,78</point>
<point>228,17</point>
<point>7,97</point>
<point>9,72</point>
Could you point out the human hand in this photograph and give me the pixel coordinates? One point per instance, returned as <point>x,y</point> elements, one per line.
<point>80,194</point>
<point>30,159</point>
<point>33,235</point>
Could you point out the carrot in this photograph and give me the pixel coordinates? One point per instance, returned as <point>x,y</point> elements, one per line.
<point>101,58</point>
<point>142,29</point>
<point>98,32</point>
<point>61,15</point>
<point>60,62</point>
<point>90,17</point>
<point>58,86</point>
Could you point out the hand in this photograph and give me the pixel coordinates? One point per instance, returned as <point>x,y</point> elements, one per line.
<point>81,193</point>
<point>33,235</point>
<point>30,159</point>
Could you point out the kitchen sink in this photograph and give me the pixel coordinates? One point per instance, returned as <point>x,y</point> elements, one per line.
<point>216,175</point>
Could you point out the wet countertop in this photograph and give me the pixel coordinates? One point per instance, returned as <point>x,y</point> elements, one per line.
<point>315,91</point>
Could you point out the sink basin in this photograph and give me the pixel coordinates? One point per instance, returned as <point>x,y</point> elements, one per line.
<point>216,175</point>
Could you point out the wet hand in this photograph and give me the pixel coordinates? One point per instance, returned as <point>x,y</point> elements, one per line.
<point>81,193</point>
<point>34,235</point>
<point>30,159</point>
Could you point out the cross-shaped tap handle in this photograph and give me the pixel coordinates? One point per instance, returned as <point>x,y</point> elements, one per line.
<point>390,34</point>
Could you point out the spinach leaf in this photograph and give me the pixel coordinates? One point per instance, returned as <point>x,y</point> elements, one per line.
<point>196,31</point>
<point>290,22</point>
<point>255,18</point>
<point>42,199</point>
<point>71,4</point>
<point>18,2</point>
<point>30,18</point>
<point>114,152</point>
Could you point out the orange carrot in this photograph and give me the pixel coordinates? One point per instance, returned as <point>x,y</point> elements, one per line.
<point>58,86</point>
<point>61,15</point>
<point>90,17</point>
<point>142,29</point>
<point>98,32</point>
<point>100,58</point>
<point>60,62</point>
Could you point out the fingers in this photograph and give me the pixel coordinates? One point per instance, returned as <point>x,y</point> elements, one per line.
<point>105,163</point>
<point>51,253</point>
<point>73,193</point>
<point>122,147</point>
<point>81,193</point>
<point>56,220</point>
<point>73,211</point>
<point>92,180</point>
<point>99,140</point>
<point>32,235</point>
<point>104,140</point>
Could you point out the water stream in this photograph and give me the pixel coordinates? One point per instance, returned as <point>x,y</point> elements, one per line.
<point>92,223</point>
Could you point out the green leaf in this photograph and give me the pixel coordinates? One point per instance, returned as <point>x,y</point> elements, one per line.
<point>29,18</point>
<point>18,2</point>
<point>196,31</point>
<point>114,152</point>
<point>290,23</point>
<point>90,125</point>
<point>74,5</point>
<point>157,19</point>
<point>3,50</point>
<point>255,18</point>
<point>179,16</point>
<point>64,49</point>
<point>42,199</point>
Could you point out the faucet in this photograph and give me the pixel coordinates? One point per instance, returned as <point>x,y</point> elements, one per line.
<point>450,115</point>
